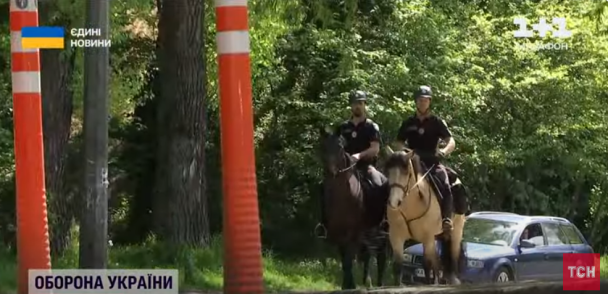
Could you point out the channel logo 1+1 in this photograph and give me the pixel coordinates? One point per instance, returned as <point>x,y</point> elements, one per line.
<point>581,271</point>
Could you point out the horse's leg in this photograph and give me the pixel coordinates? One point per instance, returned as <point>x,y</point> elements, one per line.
<point>397,241</point>
<point>426,265</point>
<point>456,250</point>
<point>366,257</point>
<point>430,254</point>
<point>381,262</point>
<point>346,255</point>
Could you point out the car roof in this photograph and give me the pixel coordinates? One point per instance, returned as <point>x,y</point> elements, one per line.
<point>517,218</point>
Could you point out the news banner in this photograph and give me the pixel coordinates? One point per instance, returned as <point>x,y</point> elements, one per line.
<point>94,281</point>
<point>54,38</point>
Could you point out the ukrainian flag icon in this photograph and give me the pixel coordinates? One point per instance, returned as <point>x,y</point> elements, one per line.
<point>42,38</point>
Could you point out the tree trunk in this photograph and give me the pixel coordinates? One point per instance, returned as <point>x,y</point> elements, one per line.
<point>57,70</point>
<point>181,202</point>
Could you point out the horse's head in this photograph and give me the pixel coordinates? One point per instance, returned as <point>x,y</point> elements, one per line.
<point>400,168</point>
<point>332,151</point>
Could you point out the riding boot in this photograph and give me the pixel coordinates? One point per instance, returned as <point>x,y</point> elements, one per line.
<point>460,199</point>
<point>447,208</point>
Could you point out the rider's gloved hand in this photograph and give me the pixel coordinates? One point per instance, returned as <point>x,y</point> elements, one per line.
<point>441,154</point>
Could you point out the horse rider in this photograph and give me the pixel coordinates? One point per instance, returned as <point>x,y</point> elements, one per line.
<point>362,137</point>
<point>422,133</point>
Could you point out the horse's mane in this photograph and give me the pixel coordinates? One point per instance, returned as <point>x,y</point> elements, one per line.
<point>333,138</point>
<point>401,159</point>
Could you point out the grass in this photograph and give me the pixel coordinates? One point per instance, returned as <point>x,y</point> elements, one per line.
<point>204,268</point>
<point>604,267</point>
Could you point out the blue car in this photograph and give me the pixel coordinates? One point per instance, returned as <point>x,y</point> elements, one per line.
<point>504,247</point>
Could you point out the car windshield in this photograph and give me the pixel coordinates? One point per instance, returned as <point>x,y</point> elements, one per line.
<point>488,231</point>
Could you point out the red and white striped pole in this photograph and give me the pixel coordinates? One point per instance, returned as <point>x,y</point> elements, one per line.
<point>32,227</point>
<point>243,249</point>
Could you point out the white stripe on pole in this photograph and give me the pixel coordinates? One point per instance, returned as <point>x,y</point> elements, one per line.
<point>16,43</point>
<point>221,3</point>
<point>233,42</point>
<point>31,5</point>
<point>26,82</point>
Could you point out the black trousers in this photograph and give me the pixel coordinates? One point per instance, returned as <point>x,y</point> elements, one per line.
<point>461,205</point>
<point>442,181</point>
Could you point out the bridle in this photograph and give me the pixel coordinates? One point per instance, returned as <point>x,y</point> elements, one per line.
<point>406,190</point>
<point>347,158</point>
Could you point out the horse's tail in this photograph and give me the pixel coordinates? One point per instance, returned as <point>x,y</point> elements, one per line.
<point>446,255</point>
<point>462,261</point>
<point>374,240</point>
<point>447,260</point>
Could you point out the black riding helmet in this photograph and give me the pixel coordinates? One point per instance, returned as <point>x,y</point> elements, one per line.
<point>423,91</point>
<point>357,96</point>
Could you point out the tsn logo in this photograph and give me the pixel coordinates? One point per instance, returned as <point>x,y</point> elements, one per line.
<point>581,271</point>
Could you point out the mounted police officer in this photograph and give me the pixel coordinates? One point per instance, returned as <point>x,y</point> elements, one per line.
<point>362,137</point>
<point>422,133</point>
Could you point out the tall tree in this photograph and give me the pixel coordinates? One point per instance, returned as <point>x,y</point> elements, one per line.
<point>56,72</point>
<point>94,219</point>
<point>180,201</point>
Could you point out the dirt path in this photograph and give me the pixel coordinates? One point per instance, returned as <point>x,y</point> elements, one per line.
<point>520,288</point>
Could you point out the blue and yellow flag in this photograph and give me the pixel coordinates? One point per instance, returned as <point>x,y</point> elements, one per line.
<point>42,38</point>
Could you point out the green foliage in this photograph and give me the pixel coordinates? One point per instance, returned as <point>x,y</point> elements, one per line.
<point>531,127</point>
<point>280,275</point>
<point>198,268</point>
<point>528,125</point>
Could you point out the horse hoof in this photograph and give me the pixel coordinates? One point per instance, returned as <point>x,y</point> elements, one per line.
<point>454,281</point>
<point>368,283</point>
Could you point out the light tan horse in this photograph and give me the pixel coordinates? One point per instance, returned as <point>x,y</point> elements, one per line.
<point>413,212</point>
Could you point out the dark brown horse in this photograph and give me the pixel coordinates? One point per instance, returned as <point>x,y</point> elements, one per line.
<point>355,211</point>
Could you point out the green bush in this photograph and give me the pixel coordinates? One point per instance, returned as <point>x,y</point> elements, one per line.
<point>199,268</point>
<point>205,270</point>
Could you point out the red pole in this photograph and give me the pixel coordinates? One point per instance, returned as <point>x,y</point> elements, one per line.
<point>32,227</point>
<point>243,250</point>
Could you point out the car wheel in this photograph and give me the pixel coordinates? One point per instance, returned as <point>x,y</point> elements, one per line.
<point>503,276</point>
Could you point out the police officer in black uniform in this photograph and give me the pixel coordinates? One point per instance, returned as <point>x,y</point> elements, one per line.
<point>422,133</point>
<point>362,138</point>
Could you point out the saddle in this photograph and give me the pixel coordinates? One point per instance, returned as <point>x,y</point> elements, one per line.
<point>452,175</point>
<point>366,182</point>
<point>374,196</point>
<point>458,193</point>
<point>432,179</point>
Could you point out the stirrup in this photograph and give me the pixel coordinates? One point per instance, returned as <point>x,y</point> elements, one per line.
<point>384,227</point>
<point>323,233</point>
<point>446,223</point>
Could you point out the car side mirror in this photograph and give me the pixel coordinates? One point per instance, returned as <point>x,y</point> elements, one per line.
<point>526,244</point>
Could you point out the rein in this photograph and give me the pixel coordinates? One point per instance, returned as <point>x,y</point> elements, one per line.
<point>406,191</point>
<point>346,160</point>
